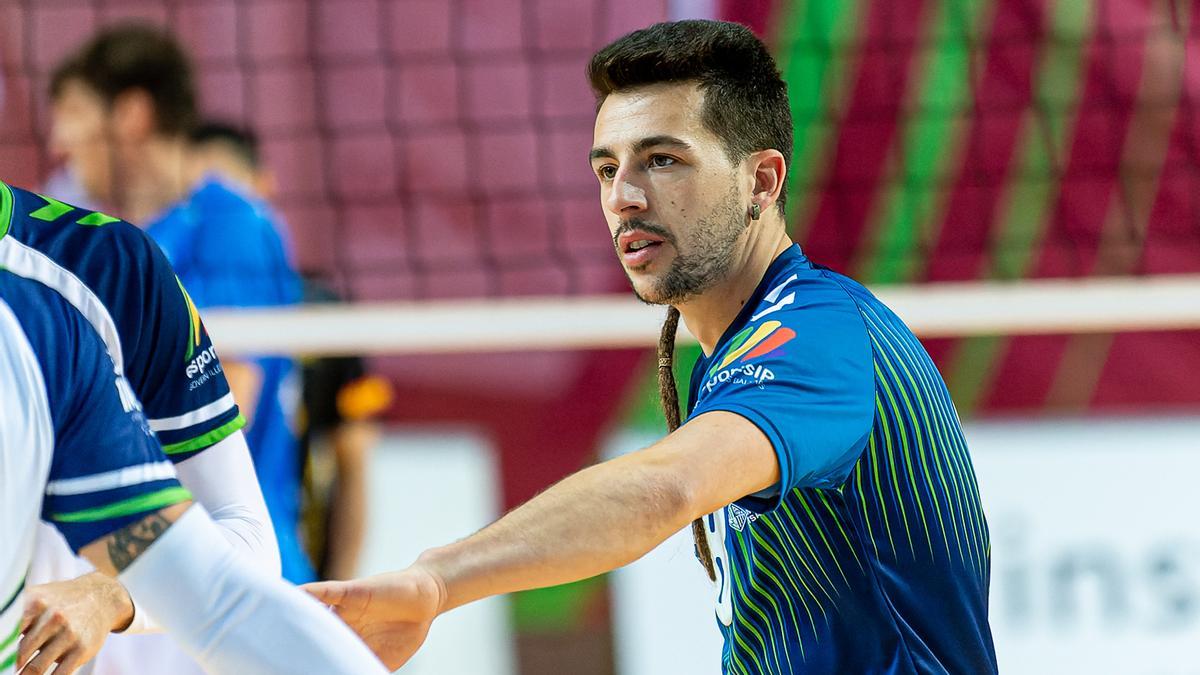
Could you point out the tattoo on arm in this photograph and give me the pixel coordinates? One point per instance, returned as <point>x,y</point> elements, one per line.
<point>126,544</point>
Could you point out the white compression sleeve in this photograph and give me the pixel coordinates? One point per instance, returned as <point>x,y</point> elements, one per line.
<point>222,479</point>
<point>234,618</point>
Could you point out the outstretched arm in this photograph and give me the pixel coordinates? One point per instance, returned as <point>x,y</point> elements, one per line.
<point>596,520</point>
<point>230,616</point>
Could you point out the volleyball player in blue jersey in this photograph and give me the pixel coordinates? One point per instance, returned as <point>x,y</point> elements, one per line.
<point>822,462</point>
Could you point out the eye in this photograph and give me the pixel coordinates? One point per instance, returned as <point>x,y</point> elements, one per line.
<point>661,161</point>
<point>607,172</point>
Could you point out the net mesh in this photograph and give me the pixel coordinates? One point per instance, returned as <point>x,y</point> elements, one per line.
<point>959,141</point>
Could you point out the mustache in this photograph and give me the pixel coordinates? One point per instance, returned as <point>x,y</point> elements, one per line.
<point>643,226</point>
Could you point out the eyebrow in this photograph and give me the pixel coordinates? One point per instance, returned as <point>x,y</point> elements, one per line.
<point>641,146</point>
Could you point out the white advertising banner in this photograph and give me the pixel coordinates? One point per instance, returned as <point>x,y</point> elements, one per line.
<point>428,488</point>
<point>1095,544</point>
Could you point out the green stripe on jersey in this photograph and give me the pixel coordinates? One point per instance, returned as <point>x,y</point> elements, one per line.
<point>52,211</point>
<point>142,503</point>
<point>6,208</point>
<point>97,219</point>
<point>7,662</point>
<point>211,438</point>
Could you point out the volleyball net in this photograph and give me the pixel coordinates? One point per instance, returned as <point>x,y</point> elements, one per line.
<point>946,310</point>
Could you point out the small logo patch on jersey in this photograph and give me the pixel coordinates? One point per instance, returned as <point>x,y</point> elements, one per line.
<point>131,405</point>
<point>739,517</point>
<point>129,401</point>
<point>198,371</point>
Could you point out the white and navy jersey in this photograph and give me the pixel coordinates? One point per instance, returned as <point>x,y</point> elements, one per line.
<point>75,448</point>
<point>121,282</point>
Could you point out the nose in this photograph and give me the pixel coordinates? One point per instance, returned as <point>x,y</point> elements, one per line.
<point>625,196</point>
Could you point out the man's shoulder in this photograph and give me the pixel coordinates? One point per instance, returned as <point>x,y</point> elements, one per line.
<point>36,218</point>
<point>805,294</point>
<point>801,317</point>
<point>216,202</point>
<point>63,245</point>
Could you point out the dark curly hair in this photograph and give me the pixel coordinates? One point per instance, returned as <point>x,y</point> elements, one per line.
<point>745,99</point>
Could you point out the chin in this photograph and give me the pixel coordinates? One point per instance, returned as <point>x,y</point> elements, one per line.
<point>647,291</point>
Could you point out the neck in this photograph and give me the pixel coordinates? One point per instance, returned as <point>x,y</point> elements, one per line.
<point>708,315</point>
<point>156,180</point>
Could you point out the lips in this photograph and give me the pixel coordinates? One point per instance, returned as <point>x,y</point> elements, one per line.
<point>639,248</point>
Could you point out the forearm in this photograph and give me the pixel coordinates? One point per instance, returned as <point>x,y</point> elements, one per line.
<point>232,617</point>
<point>348,505</point>
<point>596,520</point>
<point>347,527</point>
<point>222,479</point>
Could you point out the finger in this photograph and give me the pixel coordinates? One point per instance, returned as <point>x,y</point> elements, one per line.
<point>70,661</point>
<point>39,635</point>
<point>328,592</point>
<point>34,607</point>
<point>48,656</point>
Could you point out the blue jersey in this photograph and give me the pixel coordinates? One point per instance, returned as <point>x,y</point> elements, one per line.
<point>871,554</point>
<point>228,250</point>
<point>124,286</point>
<point>75,447</point>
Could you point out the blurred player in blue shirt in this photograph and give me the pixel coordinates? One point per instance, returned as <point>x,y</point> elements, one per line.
<point>821,463</point>
<point>340,398</point>
<point>228,252</point>
<point>123,107</point>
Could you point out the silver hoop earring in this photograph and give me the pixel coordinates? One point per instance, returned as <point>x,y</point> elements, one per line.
<point>755,211</point>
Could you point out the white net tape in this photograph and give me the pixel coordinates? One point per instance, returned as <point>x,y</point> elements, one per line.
<point>619,321</point>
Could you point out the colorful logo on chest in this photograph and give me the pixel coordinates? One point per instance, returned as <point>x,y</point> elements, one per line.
<point>752,343</point>
<point>748,345</point>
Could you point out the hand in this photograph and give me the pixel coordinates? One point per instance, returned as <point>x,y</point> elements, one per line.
<point>66,622</point>
<point>391,612</point>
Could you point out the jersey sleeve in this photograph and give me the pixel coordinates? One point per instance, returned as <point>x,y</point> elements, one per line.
<point>108,469</point>
<point>804,376</point>
<point>178,375</point>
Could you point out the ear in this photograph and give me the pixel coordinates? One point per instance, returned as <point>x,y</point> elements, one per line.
<point>133,116</point>
<point>769,170</point>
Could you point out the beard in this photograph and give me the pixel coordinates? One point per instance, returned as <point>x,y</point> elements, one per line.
<point>710,245</point>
